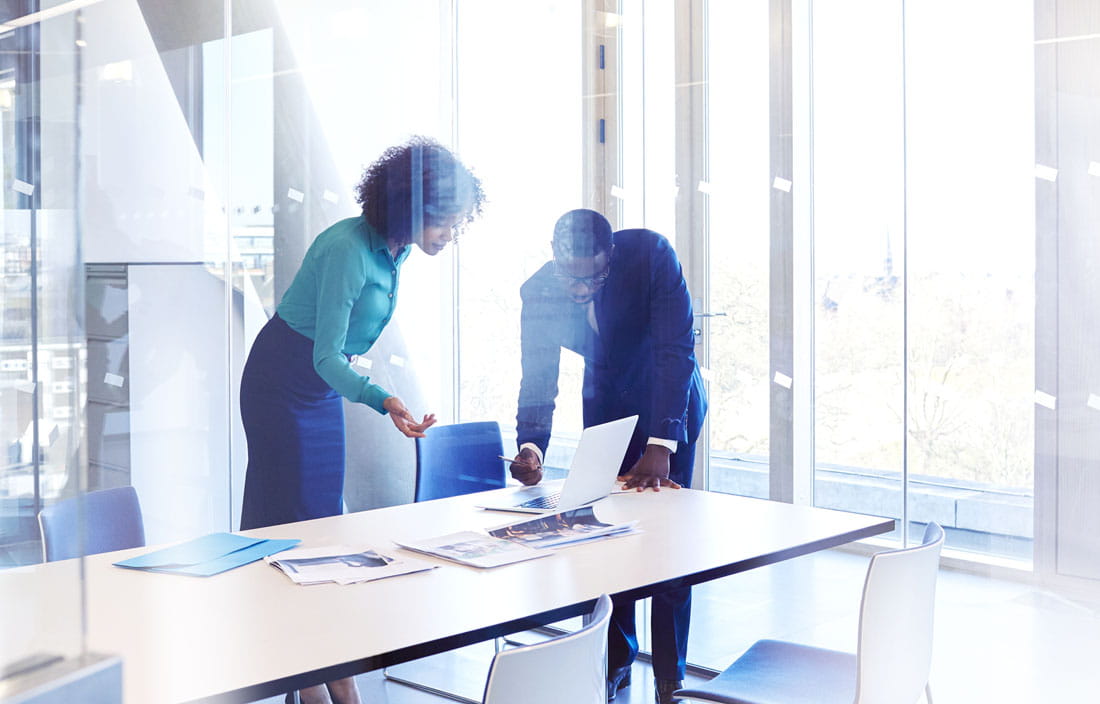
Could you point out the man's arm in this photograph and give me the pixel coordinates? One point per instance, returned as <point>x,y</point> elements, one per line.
<point>670,328</point>
<point>540,360</point>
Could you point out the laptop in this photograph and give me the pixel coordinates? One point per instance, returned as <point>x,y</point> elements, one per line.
<point>591,477</point>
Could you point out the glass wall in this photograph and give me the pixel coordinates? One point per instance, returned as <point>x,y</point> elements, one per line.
<point>333,112</point>
<point>154,242</point>
<point>43,352</point>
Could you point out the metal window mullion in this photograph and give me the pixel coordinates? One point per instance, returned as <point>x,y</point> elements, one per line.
<point>227,268</point>
<point>802,256</point>
<point>692,204</point>
<point>600,114</point>
<point>455,370</point>
<point>27,143</point>
<point>781,323</point>
<point>1046,292</point>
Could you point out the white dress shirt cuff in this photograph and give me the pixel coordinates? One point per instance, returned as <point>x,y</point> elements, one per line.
<point>533,448</point>
<point>670,444</point>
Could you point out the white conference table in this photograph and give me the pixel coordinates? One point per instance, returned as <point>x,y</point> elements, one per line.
<point>251,633</point>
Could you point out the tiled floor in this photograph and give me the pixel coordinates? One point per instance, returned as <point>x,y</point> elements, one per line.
<point>996,640</point>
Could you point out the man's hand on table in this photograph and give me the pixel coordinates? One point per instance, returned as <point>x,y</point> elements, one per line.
<point>651,470</point>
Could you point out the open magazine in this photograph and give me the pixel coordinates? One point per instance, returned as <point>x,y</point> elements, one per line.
<point>343,565</point>
<point>525,540</point>
<point>474,549</point>
<point>561,529</point>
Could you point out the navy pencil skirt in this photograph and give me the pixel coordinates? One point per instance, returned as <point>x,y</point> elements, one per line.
<point>294,424</point>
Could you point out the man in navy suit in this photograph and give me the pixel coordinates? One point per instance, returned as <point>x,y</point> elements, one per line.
<point>620,301</point>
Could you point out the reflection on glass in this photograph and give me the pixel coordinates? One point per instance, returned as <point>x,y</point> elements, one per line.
<point>42,346</point>
<point>529,185</point>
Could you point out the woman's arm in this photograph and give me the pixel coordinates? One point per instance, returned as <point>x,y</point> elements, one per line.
<point>341,275</point>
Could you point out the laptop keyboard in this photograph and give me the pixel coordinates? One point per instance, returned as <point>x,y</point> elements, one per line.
<point>547,501</point>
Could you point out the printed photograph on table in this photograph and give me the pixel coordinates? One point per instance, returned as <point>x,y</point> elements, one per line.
<point>474,549</point>
<point>561,529</point>
<point>343,565</point>
<point>368,558</point>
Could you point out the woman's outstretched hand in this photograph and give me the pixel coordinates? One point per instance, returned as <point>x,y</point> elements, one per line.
<point>404,421</point>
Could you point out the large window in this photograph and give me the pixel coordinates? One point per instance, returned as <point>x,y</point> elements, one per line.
<point>738,246</point>
<point>924,250</point>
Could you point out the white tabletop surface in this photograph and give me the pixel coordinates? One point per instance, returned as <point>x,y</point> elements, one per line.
<point>250,632</point>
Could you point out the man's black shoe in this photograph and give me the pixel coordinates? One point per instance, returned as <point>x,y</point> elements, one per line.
<point>616,680</point>
<point>663,690</point>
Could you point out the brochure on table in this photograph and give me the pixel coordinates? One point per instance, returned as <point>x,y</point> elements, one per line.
<point>524,540</point>
<point>474,549</point>
<point>342,564</point>
<point>208,555</point>
<point>561,529</point>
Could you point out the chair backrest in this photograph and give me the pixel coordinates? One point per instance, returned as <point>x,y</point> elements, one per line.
<point>111,520</point>
<point>459,459</point>
<point>570,668</point>
<point>895,622</point>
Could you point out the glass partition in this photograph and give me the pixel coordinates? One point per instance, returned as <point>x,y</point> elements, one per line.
<point>155,238</point>
<point>529,185</point>
<point>43,349</point>
<point>345,80</point>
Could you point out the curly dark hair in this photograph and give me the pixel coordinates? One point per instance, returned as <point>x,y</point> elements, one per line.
<point>415,184</point>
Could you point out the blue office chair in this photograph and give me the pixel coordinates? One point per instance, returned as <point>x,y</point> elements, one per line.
<point>452,460</point>
<point>111,521</point>
<point>894,652</point>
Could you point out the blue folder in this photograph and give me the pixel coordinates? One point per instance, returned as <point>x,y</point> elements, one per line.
<point>208,555</point>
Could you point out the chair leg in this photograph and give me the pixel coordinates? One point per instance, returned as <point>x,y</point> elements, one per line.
<point>412,684</point>
<point>927,694</point>
<point>431,690</point>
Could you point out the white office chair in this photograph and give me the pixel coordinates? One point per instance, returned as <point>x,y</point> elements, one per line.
<point>569,668</point>
<point>893,658</point>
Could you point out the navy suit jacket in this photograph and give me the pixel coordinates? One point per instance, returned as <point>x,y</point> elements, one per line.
<point>641,362</point>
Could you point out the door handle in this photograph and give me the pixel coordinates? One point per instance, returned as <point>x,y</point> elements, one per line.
<point>698,332</point>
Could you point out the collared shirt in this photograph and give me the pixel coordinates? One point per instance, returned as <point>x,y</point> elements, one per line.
<point>342,297</point>
<point>590,316</point>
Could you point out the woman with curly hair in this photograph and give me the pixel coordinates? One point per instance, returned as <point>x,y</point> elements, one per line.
<point>342,297</point>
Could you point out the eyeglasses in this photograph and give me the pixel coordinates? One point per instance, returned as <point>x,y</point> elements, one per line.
<point>455,223</point>
<point>590,282</point>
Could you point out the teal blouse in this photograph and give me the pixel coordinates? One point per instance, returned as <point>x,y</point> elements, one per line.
<point>341,298</point>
